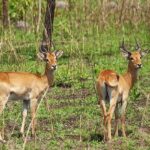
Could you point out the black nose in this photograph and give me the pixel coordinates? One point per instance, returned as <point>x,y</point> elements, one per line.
<point>139,65</point>
<point>54,67</point>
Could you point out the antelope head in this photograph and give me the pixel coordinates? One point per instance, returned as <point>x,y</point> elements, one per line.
<point>50,58</point>
<point>133,57</point>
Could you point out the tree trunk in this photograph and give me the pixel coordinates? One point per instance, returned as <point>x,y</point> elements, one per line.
<point>48,26</point>
<point>5,13</point>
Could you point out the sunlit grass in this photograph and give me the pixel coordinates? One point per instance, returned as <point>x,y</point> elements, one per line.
<point>75,120</point>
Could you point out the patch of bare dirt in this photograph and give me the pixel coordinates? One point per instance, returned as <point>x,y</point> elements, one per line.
<point>69,104</point>
<point>64,85</point>
<point>78,94</point>
<point>44,124</point>
<point>141,101</point>
<point>144,130</point>
<point>75,137</point>
<point>71,122</point>
<point>11,126</point>
<point>81,79</point>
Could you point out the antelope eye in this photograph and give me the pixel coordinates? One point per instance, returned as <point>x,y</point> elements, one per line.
<point>131,58</point>
<point>46,60</point>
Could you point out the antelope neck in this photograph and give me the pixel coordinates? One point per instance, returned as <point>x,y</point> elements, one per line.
<point>131,75</point>
<point>48,76</point>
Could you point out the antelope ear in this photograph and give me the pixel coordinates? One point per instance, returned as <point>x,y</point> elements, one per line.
<point>58,53</point>
<point>41,56</point>
<point>124,53</point>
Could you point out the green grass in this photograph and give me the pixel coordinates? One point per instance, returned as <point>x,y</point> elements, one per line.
<point>75,119</point>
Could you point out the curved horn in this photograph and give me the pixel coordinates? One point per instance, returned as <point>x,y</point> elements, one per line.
<point>124,51</point>
<point>122,47</point>
<point>43,47</point>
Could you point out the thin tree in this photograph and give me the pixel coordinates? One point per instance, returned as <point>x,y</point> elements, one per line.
<point>5,13</point>
<point>48,26</point>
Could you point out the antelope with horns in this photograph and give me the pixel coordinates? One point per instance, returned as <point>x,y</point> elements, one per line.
<point>114,89</point>
<point>28,87</point>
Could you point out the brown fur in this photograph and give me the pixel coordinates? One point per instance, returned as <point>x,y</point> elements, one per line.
<point>117,88</point>
<point>28,87</point>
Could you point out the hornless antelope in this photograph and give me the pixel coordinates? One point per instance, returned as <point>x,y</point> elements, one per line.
<point>114,88</point>
<point>28,86</point>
